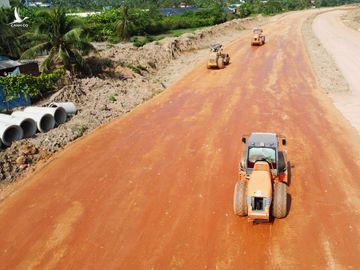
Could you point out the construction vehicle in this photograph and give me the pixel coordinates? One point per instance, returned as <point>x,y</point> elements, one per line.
<point>258,37</point>
<point>261,190</point>
<point>217,58</point>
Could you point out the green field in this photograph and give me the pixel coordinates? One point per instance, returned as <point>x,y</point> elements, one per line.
<point>142,40</point>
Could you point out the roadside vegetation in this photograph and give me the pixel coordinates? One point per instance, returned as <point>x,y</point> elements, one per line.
<point>134,22</point>
<point>33,86</point>
<point>62,39</point>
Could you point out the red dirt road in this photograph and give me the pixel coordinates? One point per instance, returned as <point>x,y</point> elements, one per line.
<point>153,189</point>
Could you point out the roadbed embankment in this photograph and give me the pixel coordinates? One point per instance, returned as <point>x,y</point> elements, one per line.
<point>334,51</point>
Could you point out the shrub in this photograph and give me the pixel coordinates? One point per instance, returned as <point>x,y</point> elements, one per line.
<point>79,128</point>
<point>112,98</point>
<point>139,42</point>
<point>137,69</point>
<point>34,86</point>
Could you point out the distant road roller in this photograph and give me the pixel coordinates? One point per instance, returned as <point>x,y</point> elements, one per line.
<point>258,37</point>
<point>217,58</point>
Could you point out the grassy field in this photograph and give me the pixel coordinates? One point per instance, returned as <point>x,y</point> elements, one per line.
<point>178,32</point>
<point>142,40</point>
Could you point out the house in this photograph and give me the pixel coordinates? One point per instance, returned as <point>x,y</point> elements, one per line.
<point>38,4</point>
<point>183,5</point>
<point>8,66</point>
<point>4,3</point>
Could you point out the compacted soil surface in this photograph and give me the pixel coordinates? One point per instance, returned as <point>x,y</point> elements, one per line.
<point>154,188</point>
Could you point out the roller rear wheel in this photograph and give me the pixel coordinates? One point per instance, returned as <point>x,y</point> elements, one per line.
<point>240,203</point>
<point>279,205</point>
<point>220,63</point>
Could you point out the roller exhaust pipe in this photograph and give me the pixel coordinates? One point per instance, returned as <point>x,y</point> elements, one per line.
<point>28,125</point>
<point>44,121</point>
<point>10,133</point>
<point>58,113</point>
<point>69,107</point>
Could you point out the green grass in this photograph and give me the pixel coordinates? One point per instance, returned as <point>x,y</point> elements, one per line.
<point>179,32</point>
<point>139,69</point>
<point>176,33</point>
<point>112,98</point>
<point>79,128</point>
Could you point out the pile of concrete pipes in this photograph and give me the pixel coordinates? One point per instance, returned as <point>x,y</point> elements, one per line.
<point>24,124</point>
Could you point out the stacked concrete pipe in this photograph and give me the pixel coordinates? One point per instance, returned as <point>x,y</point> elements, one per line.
<point>58,113</point>
<point>27,124</point>
<point>44,121</point>
<point>10,133</point>
<point>69,107</point>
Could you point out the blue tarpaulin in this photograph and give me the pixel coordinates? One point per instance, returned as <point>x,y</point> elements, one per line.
<point>20,100</point>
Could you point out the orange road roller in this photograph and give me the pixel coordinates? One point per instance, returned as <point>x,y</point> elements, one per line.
<point>258,37</point>
<point>217,58</point>
<point>261,190</point>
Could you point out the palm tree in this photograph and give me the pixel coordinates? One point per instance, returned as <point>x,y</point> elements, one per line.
<point>9,43</point>
<point>123,26</point>
<point>61,37</point>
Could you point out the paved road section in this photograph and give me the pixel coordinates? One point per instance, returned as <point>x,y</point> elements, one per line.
<point>343,43</point>
<point>154,189</point>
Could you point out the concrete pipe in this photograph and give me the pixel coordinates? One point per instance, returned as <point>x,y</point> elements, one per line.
<point>58,113</point>
<point>69,107</point>
<point>28,125</point>
<point>44,121</point>
<point>10,133</point>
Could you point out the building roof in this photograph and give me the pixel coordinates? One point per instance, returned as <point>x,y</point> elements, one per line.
<point>6,63</point>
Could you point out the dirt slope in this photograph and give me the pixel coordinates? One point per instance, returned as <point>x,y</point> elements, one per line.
<point>153,190</point>
<point>343,43</point>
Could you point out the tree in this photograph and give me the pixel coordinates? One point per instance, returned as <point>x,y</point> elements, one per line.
<point>123,26</point>
<point>271,7</point>
<point>62,38</point>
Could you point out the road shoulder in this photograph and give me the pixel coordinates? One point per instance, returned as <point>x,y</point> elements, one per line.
<point>332,60</point>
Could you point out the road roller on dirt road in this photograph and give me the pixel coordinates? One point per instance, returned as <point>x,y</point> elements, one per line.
<point>258,37</point>
<point>261,191</point>
<point>217,58</point>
